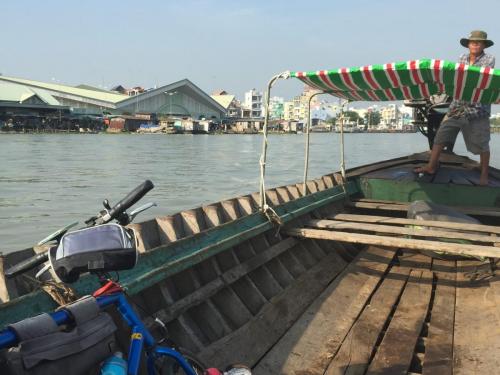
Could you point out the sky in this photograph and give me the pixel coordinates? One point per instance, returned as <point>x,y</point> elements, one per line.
<point>227,44</point>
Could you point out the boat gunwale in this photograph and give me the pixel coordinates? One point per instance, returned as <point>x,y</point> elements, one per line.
<point>163,261</point>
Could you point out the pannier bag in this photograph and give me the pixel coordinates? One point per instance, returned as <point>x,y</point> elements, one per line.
<point>46,349</point>
<point>108,247</point>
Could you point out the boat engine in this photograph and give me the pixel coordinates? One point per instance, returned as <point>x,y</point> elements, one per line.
<point>428,114</point>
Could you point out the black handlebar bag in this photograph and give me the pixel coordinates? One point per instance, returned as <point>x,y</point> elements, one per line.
<point>108,247</point>
<point>47,349</point>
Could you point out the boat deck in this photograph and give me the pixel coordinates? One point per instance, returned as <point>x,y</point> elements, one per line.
<point>446,174</point>
<point>398,312</point>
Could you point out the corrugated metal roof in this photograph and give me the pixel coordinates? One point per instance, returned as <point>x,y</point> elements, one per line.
<point>223,100</point>
<point>93,88</point>
<point>162,89</point>
<point>91,94</point>
<point>14,93</point>
<point>11,92</point>
<point>46,97</point>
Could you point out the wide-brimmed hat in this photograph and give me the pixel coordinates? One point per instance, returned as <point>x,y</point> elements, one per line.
<point>479,36</point>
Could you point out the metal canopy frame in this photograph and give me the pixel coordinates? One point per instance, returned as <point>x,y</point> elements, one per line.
<point>263,158</point>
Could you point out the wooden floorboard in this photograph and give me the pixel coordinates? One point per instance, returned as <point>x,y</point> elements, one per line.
<point>396,350</point>
<point>354,355</point>
<point>481,211</point>
<point>312,341</point>
<point>424,223</point>
<point>397,242</point>
<point>477,326</point>
<point>438,358</point>
<point>389,229</point>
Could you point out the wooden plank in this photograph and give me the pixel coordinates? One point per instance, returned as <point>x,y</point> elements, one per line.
<point>424,223</point>
<point>369,239</point>
<point>438,358</point>
<point>476,341</point>
<point>354,354</point>
<point>396,350</point>
<point>250,342</point>
<point>309,345</point>
<point>158,264</point>
<point>484,211</point>
<point>343,225</point>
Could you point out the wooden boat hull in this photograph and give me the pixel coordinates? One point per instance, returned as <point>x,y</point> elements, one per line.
<point>233,287</point>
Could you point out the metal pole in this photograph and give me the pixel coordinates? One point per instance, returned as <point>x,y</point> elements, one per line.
<point>308,131</point>
<point>262,162</point>
<point>342,160</point>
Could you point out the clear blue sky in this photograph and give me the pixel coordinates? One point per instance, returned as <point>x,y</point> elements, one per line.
<point>229,44</point>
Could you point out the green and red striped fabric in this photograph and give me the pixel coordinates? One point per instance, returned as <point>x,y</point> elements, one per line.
<point>416,79</point>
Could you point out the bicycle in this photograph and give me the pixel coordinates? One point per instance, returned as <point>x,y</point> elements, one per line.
<point>111,293</point>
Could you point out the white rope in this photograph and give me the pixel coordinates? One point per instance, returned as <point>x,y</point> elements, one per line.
<point>342,158</point>
<point>262,161</point>
<point>308,133</point>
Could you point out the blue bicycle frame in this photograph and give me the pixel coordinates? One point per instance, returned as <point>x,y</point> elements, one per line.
<point>140,337</point>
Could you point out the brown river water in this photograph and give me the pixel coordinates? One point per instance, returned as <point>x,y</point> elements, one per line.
<point>50,180</point>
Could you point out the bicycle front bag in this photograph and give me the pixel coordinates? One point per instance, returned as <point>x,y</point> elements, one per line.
<point>108,247</point>
<point>46,349</point>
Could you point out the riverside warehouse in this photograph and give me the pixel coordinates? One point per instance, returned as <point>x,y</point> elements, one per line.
<point>23,100</point>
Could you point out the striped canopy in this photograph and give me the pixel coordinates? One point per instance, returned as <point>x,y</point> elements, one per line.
<point>416,79</point>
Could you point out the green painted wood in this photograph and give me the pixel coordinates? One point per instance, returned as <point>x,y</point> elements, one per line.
<point>447,194</point>
<point>164,261</point>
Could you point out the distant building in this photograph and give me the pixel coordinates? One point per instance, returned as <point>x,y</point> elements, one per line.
<point>389,115</point>
<point>231,105</point>
<point>253,104</point>
<point>130,92</point>
<point>297,108</point>
<point>120,89</point>
<point>79,100</point>
<point>20,100</point>
<point>248,125</point>
<point>179,99</point>
<point>182,98</point>
<point>288,111</point>
<point>276,108</point>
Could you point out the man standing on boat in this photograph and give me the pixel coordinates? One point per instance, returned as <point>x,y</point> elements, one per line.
<point>473,119</point>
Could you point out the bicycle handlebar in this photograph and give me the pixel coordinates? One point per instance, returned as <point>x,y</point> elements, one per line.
<point>26,265</point>
<point>8,337</point>
<point>132,198</point>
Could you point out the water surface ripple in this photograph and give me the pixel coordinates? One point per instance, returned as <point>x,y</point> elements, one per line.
<point>49,180</point>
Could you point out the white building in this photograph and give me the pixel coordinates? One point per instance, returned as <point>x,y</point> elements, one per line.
<point>389,116</point>
<point>253,103</point>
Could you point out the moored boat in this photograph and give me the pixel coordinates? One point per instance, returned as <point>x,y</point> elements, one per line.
<point>328,275</point>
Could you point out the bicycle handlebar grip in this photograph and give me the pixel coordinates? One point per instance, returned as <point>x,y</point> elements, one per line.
<point>27,265</point>
<point>132,198</point>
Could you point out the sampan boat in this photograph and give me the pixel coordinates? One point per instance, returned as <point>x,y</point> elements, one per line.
<point>330,276</point>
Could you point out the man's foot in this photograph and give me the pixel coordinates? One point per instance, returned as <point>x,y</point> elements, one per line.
<point>427,169</point>
<point>483,180</point>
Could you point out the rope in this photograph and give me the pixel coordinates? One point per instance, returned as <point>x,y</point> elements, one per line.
<point>58,291</point>
<point>342,158</point>
<point>264,207</point>
<point>308,136</point>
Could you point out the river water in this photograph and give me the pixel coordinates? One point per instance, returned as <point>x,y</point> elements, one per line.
<point>50,180</point>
